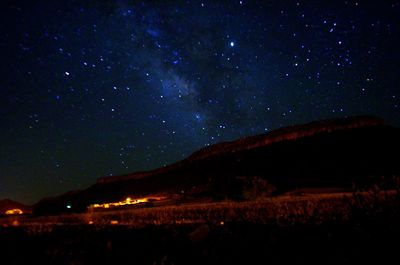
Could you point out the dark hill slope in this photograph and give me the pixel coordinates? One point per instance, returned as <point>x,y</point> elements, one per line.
<point>7,204</point>
<point>334,153</point>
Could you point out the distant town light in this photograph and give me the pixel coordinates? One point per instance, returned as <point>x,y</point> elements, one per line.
<point>68,206</point>
<point>127,201</point>
<point>14,212</point>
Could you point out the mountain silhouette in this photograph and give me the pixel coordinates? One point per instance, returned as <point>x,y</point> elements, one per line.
<point>338,153</point>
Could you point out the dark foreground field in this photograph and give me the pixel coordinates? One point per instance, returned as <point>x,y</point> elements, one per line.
<point>366,229</point>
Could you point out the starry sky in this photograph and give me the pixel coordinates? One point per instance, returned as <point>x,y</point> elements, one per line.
<point>97,88</point>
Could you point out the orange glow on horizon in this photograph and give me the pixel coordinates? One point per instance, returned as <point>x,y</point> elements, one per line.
<point>127,201</point>
<point>14,212</point>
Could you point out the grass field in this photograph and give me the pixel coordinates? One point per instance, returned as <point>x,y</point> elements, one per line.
<point>282,210</point>
<point>332,228</point>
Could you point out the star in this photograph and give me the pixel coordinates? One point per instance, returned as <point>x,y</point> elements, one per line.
<point>176,74</point>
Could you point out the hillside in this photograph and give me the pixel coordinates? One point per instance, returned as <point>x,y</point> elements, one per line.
<point>252,142</point>
<point>7,204</point>
<point>331,153</point>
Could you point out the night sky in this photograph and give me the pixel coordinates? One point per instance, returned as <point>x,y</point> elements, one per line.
<point>97,88</point>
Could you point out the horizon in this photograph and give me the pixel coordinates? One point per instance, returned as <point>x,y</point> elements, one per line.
<point>104,89</point>
<point>372,120</point>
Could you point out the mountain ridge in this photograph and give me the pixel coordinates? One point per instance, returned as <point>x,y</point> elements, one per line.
<point>286,133</point>
<point>330,153</point>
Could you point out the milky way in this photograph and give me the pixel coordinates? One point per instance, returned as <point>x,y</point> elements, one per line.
<point>94,89</point>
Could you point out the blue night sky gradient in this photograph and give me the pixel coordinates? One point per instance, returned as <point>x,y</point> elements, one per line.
<point>90,89</point>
